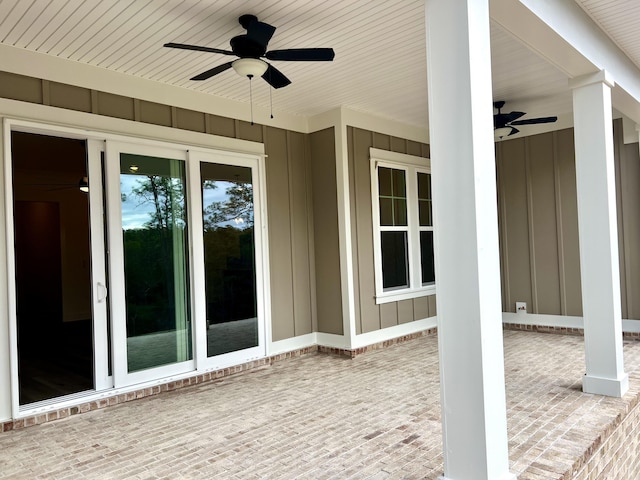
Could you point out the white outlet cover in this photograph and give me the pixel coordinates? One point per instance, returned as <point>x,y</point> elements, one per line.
<point>521,307</point>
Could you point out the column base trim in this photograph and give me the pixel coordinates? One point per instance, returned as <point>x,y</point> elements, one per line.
<point>611,387</point>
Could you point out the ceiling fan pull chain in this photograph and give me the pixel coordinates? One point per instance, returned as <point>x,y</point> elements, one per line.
<point>270,101</point>
<point>251,97</point>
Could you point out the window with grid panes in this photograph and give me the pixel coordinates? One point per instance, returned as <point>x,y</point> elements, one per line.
<point>403,228</point>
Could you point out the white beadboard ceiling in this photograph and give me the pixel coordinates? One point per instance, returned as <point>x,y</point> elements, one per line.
<point>379,68</point>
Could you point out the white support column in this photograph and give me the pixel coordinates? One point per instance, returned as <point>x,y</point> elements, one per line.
<point>474,422</point>
<point>598,230</point>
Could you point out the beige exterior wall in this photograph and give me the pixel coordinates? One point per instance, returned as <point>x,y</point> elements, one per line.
<point>539,246</point>
<point>287,180</point>
<point>368,315</point>
<point>326,240</point>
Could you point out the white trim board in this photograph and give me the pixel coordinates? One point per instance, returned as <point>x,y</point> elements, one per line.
<point>389,333</point>
<point>291,344</point>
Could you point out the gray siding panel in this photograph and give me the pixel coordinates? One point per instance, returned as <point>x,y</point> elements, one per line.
<point>301,257</point>
<point>421,308</point>
<point>223,126</point>
<point>570,247</point>
<point>514,223</point>
<point>280,234</point>
<point>540,247</point>
<point>115,106</point>
<point>405,311</point>
<point>630,186</point>
<point>370,314</point>
<point>388,315</point>
<point>69,97</point>
<point>190,120</point>
<point>326,241</point>
<point>155,113</point>
<point>19,87</point>
<point>540,163</point>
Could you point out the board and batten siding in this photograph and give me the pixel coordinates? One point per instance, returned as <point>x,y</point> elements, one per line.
<point>326,236</point>
<point>369,315</point>
<point>288,180</point>
<point>538,218</point>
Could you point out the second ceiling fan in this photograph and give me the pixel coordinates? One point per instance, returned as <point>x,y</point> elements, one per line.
<point>251,48</point>
<point>503,123</point>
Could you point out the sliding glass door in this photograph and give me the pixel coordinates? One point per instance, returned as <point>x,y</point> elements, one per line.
<point>230,294</point>
<point>58,308</point>
<point>150,258</point>
<point>135,261</point>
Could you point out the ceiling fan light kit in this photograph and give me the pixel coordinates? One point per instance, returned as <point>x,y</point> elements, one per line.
<point>249,67</point>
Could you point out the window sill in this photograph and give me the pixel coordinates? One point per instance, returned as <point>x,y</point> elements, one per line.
<point>405,294</point>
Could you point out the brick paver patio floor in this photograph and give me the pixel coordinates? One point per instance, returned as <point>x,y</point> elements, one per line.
<point>325,417</point>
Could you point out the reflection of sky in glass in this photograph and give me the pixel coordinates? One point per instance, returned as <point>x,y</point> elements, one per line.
<point>135,212</point>
<point>218,194</point>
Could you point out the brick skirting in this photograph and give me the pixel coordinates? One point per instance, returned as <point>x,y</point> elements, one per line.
<point>614,453</point>
<point>560,330</point>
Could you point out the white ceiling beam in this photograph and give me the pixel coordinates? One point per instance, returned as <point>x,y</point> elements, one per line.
<point>562,33</point>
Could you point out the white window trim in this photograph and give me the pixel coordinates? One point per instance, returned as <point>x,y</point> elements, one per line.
<point>412,165</point>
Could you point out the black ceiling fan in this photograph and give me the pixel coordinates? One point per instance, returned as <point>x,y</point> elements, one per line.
<point>253,45</point>
<point>508,120</point>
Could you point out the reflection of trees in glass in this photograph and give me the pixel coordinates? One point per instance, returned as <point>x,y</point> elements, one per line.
<point>237,207</point>
<point>166,195</point>
<point>229,253</point>
<point>149,254</point>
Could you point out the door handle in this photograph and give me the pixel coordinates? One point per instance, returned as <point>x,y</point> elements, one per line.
<point>102,292</point>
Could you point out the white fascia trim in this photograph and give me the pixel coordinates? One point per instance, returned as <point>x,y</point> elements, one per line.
<point>384,334</point>
<point>322,121</point>
<point>561,321</point>
<point>345,239</point>
<point>334,118</point>
<point>398,158</point>
<point>48,67</point>
<point>386,126</point>
<point>565,35</point>
<point>574,25</point>
<point>97,126</point>
<point>366,121</point>
<point>292,344</point>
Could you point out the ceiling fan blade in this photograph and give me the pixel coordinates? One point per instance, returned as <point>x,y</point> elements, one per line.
<point>511,116</point>
<point>275,77</point>
<point>302,54</point>
<point>214,71</point>
<point>198,48</point>
<point>533,121</point>
<point>513,131</point>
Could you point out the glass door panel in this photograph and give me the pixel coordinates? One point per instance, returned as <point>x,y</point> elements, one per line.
<point>60,312</point>
<point>154,230</point>
<point>229,257</point>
